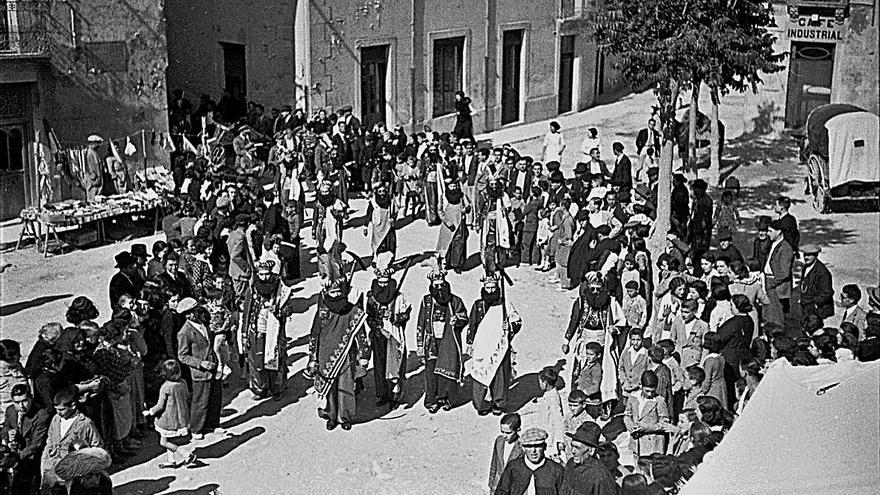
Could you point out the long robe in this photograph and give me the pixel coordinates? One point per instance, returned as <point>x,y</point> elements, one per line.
<point>267,339</point>
<point>452,238</point>
<point>380,222</point>
<point>583,319</point>
<point>492,368</point>
<point>496,234</point>
<point>387,323</point>
<point>336,342</point>
<point>443,356</point>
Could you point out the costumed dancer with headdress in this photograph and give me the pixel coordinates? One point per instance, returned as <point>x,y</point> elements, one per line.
<point>327,227</point>
<point>596,317</point>
<point>493,323</point>
<point>337,346</point>
<point>379,224</point>
<point>388,311</point>
<point>496,232</point>
<point>266,313</point>
<point>452,238</point>
<point>442,318</point>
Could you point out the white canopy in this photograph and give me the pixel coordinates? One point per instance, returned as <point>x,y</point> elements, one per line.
<point>807,430</point>
<point>853,148</point>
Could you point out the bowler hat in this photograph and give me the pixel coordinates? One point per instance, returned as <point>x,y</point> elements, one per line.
<point>587,433</point>
<point>725,235</point>
<point>533,437</point>
<point>581,168</point>
<point>582,215</point>
<point>139,250</point>
<point>124,259</point>
<point>345,109</point>
<point>557,176</point>
<point>762,223</point>
<point>699,184</point>
<point>552,166</point>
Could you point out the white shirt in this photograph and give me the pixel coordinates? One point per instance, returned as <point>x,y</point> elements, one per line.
<point>506,451</point>
<point>65,424</point>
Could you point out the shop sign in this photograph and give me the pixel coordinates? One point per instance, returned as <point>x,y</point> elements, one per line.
<point>814,28</point>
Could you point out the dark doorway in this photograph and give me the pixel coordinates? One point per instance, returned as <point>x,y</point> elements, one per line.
<point>600,72</point>
<point>809,80</point>
<point>566,73</point>
<point>448,73</point>
<point>13,147</point>
<point>235,72</point>
<point>511,68</point>
<point>374,68</point>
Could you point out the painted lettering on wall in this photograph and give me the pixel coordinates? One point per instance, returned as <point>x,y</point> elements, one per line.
<point>814,28</point>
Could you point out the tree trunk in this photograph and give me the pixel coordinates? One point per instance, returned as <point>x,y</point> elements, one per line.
<point>692,128</point>
<point>714,137</point>
<point>663,222</point>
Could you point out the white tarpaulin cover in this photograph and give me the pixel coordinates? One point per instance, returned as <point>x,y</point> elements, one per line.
<point>848,162</point>
<point>792,440</point>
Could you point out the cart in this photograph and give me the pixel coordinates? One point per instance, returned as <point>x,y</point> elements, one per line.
<point>841,149</point>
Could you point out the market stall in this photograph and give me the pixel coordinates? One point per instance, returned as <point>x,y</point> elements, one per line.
<point>77,214</point>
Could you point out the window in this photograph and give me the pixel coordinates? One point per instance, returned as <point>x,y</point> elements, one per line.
<point>11,149</point>
<point>448,73</point>
<point>108,56</point>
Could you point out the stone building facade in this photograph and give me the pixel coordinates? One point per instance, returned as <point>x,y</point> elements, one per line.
<point>83,66</point>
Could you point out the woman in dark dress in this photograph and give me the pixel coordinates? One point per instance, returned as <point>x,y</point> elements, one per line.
<point>735,336</point>
<point>464,125</point>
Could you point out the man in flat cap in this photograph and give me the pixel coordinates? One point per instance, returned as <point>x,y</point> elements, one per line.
<point>584,473</point>
<point>533,473</point>
<point>93,175</point>
<point>816,288</point>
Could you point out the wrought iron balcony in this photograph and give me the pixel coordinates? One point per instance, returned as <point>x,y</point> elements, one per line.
<point>23,27</point>
<point>578,9</point>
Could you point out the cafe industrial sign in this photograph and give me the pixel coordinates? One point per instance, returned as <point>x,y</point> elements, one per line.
<point>814,28</point>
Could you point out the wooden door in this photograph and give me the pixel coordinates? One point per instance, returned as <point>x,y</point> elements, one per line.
<point>511,67</point>
<point>566,73</point>
<point>374,68</point>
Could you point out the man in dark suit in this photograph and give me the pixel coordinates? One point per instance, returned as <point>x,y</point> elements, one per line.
<point>777,273</point>
<point>649,136</point>
<point>273,219</point>
<point>621,178</point>
<point>125,280</point>
<point>173,277</point>
<point>790,231</point>
<point>521,177</point>
<point>817,291</point>
<point>506,448</point>
<point>25,430</point>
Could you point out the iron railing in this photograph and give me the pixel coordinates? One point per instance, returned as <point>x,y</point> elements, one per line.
<point>24,27</point>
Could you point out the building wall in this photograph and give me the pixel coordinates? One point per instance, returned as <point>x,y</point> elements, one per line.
<point>196,29</point>
<point>857,63</point>
<point>339,28</point>
<point>82,88</point>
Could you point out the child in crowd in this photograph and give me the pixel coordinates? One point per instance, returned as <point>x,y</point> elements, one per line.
<point>589,380</point>
<point>630,272</point>
<point>543,238</point>
<point>576,415</point>
<point>171,414</point>
<point>635,308</point>
<point>656,355</point>
<point>679,380</point>
<point>713,365</point>
<point>646,418</point>
<point>223,325</point>
<point>727,214</point>
<point>550,415</point>
<point>696,376</point>
<point>633,361</point>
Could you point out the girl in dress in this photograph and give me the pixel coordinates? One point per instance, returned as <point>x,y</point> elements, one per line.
<point>727,214</point>
<point>171,414</point>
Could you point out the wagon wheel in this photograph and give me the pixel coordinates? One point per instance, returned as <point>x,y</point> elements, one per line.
<point>818,188</point>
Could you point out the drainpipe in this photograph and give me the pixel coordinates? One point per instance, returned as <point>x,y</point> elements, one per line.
<point>489,68</point>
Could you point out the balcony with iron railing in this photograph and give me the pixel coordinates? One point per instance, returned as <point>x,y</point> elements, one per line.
<point>24,28</point>
<point>578,9</point>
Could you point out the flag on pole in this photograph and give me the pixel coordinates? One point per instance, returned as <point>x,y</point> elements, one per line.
<point>129,147</point>
<point>188,146</point>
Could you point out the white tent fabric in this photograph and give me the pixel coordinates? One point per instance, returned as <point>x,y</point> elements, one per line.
<point>807,430</point>
<point>846,161</point>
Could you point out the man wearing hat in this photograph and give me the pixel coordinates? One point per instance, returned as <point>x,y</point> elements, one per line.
<point>533,473</point>
<point>283,120</point>
<point>726,248</point>
<point>761,244</point>
<point>388,311</point>
<point>816,287</point>
<point>584,473</point>
<point>777,275</point>
<point>492,324</point>
<point>442,318</point>
<point>558,190</point>
<point>125,281</point>
<point>139,252</point>
<point>338,326</point>
<point>93,174</point>
<point>580,187</point>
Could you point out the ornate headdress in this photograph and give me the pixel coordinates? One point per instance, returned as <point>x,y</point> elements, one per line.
<point>265,266</point>
<point>382,263</point>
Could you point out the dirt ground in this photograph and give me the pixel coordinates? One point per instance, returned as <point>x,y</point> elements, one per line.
<point>283,447</point>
